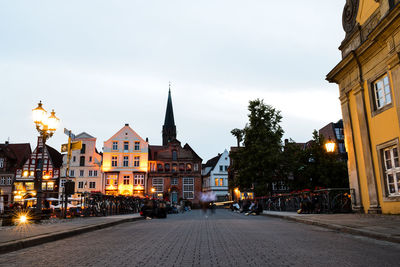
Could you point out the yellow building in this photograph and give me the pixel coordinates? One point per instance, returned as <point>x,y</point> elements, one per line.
<point>369,79</point>
<point>125,162</point>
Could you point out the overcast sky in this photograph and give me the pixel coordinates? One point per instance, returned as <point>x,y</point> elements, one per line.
<point>101,64</point>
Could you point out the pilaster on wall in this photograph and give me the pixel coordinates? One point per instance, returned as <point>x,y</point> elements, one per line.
<point>352,165</point>
<point>374,206</point>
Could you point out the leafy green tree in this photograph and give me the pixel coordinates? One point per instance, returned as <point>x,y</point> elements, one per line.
<point>258,161</point>
<point>238,133</point>
<point>324,169</point>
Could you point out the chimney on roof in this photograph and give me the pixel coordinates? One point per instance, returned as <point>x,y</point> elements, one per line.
<point>6,143</point>
<point>126,124</point>
<point>147,139</point>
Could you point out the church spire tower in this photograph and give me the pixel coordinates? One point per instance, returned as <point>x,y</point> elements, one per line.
<point>169,128</point>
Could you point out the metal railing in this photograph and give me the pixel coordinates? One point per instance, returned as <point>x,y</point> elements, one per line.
<point>329,200</point>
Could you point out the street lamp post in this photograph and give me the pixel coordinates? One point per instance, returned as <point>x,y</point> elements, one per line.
<point>46,126</point>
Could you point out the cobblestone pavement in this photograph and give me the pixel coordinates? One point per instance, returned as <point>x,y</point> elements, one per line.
<point>223,239</point>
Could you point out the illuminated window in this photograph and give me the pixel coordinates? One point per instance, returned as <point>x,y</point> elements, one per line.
<point>188,167</point>
<point>188,188</point>
<point>50,186</point>
<point>112,179</point>
<point>126,161</point>
<point>44,186</point>
<point>30,186</point>
<point>126,179</point>
<point>126,145</point>
<point>114,161</point>
<point>392,170</point>
<point>382,92</point>
<point>25,173</point>
<point>115,145</point>
<point>221,182</point>
<point>18,186</point>
<point>216,181</point>
<point>137,145</point>
<point>92,185</point>
<point>139,179</point>
<point>174,167</point>
<point>136,162</point>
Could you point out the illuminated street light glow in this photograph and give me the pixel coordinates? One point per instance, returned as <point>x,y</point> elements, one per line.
<point>330,146</point>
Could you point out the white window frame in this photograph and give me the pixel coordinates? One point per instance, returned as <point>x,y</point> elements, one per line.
<point>114,161</point>
<point>80,184</point>
<point>1,162</point>
<point>81,173</point>
<point>188,188</point>
<point>9,180</point>
<point>126,179</point>
<point>382,86</point>
<point>158,184</point>
<point>393,171</point>
<point>90,173</point>
<point>95,173</point>
<point>72,173</point>
<point>126,145</point>
<point>115,145</point>
<point>3,180</point>
<point>137,145</point>
<point>125,161</point>
<point>136,161</point>
<point>174,181</point>
<point>139,179</point>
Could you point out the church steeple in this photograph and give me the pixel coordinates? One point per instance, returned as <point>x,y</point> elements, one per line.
<point>169,128</point>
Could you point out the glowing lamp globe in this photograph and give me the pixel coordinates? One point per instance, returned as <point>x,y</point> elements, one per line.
<point>53,121</point>
<point>39,114</point>
<point>330,146</point>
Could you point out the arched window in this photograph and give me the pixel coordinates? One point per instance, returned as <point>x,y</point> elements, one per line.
<point>167,167</point>
<point>160,167</point>
<point>188,167</point>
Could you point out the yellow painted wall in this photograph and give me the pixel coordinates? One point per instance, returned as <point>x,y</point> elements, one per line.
<point>365,10</point>
<point>383,127</point>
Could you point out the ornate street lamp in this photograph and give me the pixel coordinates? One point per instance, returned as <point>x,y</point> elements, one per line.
<point>46,126</point>
<point>330,145</point>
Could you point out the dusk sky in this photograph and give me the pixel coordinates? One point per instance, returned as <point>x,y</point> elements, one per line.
<point>101,64</point>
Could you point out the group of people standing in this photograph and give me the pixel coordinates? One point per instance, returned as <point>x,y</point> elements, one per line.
<point>207,201</point>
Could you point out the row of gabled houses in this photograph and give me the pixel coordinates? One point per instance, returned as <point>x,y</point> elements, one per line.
<point>128,165</point>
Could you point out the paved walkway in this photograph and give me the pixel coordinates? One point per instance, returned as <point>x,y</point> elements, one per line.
<point>385,227</point>
<point>25,235</point>
<point>222,239</point>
